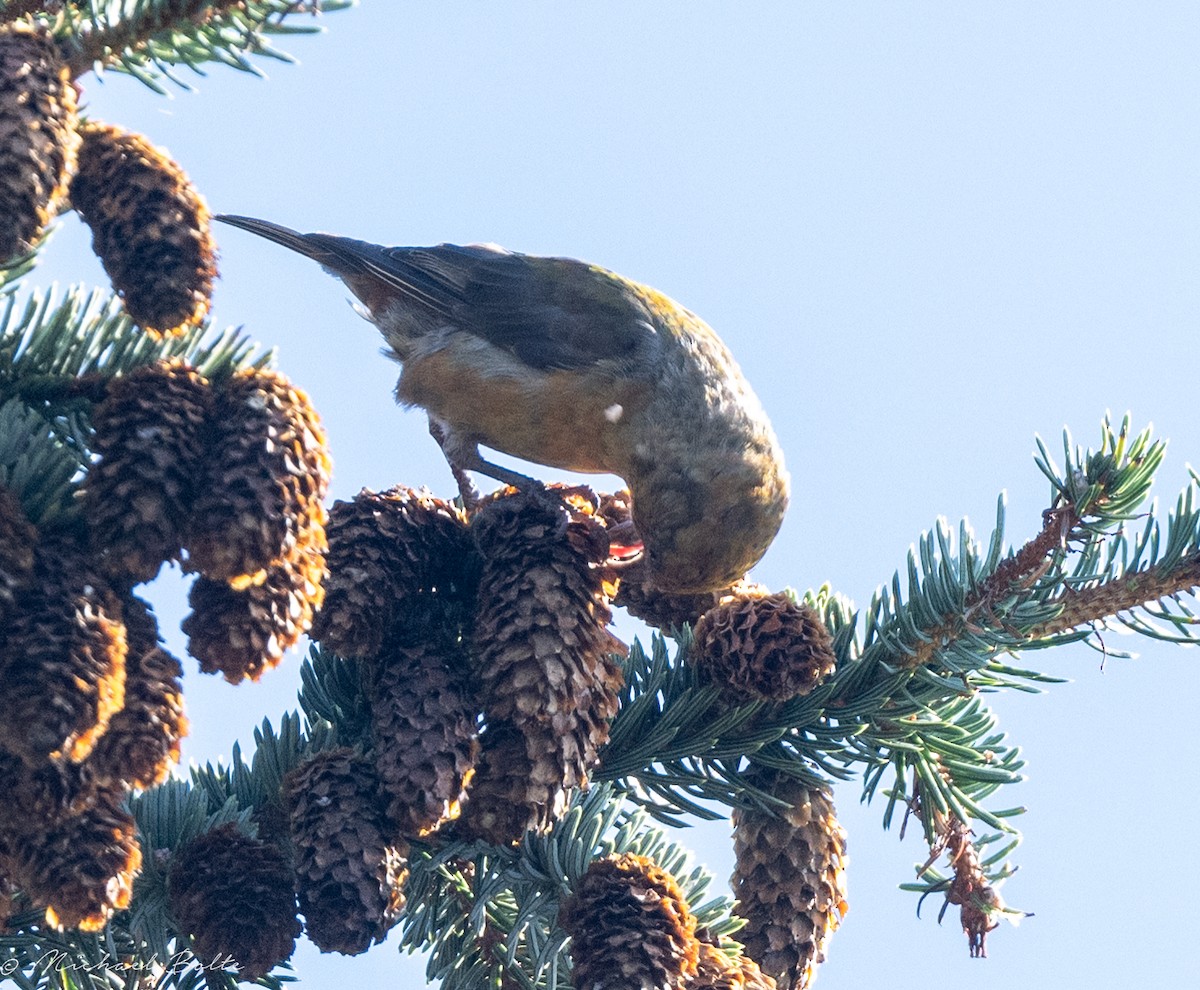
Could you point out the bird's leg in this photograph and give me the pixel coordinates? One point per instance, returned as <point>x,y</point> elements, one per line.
<point>462,454</point>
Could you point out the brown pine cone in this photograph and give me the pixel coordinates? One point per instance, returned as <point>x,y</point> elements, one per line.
<point>150,228</point>
<point>62,659</point>
<point>423,731</point>
<point>150,438</point>
<point>38,135</point>
<point>388,551</point>
<point>630,926</point>
<point>349,878</point>
<point>143,738</point>
<point>789,880</point>
<point>233,895</point>
<point>762,647</point>
<point>509,794</point>
<point>81,868</point>
<point>241,632</point>
<point>51,792</point>
<point>264,480</point>
<point>543,654</point>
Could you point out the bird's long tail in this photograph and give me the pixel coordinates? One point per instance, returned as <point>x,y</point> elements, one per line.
<point>339,255</point>
<point>276,232</point>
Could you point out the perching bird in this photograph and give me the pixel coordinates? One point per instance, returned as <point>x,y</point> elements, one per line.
<point>565,364</point>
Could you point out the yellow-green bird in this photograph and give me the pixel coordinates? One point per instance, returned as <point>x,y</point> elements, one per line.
<point>569,365</point>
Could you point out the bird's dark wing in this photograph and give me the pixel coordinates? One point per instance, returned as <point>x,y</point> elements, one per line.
<point>548,312</point>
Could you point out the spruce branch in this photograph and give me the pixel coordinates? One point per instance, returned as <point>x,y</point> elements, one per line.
<point>156,35</point>
<point>1129,591</point>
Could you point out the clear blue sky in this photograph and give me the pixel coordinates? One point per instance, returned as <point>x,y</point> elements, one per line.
<point>927,230</point>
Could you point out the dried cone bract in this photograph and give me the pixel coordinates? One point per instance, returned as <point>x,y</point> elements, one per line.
<point>387,549</point>
<point>630,927</point>
<point>150,228</point>
<point>149,433</point>
<point>264,480</point>
<point>233,895</point>
<point>81,868</point>
<point>762,647</point>
<point>349,879</point>
<point>143,738</point>
<point>38,135</point>
<point>257,532</point>
<point>543,657</point>
<point>790,881</point>
<point>62,659</point>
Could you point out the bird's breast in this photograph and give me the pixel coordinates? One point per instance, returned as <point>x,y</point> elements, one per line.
<point>566,419</point>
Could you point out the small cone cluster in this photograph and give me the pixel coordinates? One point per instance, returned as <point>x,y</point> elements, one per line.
<point>401,570</point>
<point>717,971</point>
<point>256,532</point>
<point>235,474</point>
<point>150,228</point>
<point>789,880</point>
<point>38,135</point>
<point>348,875</point>
<point>630,926</point>
<point>91,707</point>
<point>762,647</point>
<point>150,438</point>
<point>233,895</point>
<point>543,657</point>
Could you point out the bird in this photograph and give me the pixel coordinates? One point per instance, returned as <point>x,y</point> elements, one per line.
<point>565,364</point>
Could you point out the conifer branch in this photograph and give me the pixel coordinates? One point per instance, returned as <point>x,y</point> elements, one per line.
<point>1018,572</point>
<point>104,44</point>
<point>1084,606</point>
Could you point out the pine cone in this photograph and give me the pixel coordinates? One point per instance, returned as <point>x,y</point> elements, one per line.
<point>242,632</point>
<point>81,868</point>
<point>149,433</point>
<point>542,650</point>
<point>18,537</point>
<point>233,895</point>
<point>762,647</point>
<point>350,880</point>
<point>717,971</point>
<point>150,228</point>
<point>263,483</point>
<point>630,927</point>
<point>386,551</point>
<point>142,741</point>
<point>505,799</point>
<point>62,660</point>
<point>789,880</point>
<point>38,135</point>
<point>50,792</point>
<point>423,728</point>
